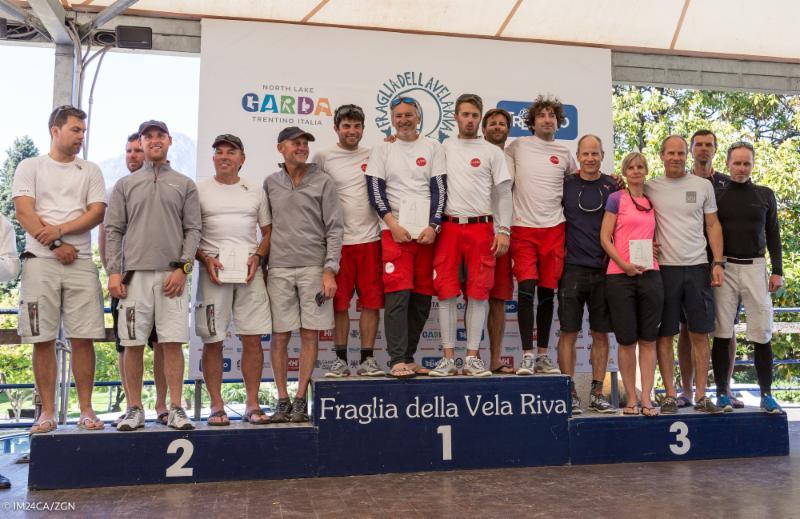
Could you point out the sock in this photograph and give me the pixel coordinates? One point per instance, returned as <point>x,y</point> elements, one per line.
<point>544,316</point>
<point>475,317</point>
<point>365,354</point>
<point>448,309</point>
<point>597,387</point>
<point>525,293</point>
<point>762,359</point>
<point>341,352</point>
<point>720,363</point>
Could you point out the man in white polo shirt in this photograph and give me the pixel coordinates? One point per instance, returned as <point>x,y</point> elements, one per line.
<point>479,191</point>
<point>538,165</point>
<point>59,199</point>
<point>360,265</point>
<point>231,285</point>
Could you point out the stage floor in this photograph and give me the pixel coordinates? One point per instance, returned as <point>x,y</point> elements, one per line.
<point>750,488</point>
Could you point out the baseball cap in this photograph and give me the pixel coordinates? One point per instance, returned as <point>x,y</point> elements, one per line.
<point>470,98</point>
<point>233,140</point>
<point>153,124</point>
<point>293,132</point>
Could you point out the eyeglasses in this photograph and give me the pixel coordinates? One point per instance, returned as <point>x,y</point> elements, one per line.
<point>580,200</point>
<point>639,206</point>
<point>407,100</point>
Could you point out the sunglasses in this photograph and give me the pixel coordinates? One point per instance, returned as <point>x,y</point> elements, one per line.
<point>639,206</point>
<point>591,210</point>
<point>407,100</point>
<point>344,111</point>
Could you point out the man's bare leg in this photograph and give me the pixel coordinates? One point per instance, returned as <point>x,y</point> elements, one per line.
<point>666,364</point>
<point>700,354</point>
<point>279,356</point>
<point>160,379</point>
<point>173,371</point>
<point>83,366</point>
<point>309,348</point>
<point>685,364</point>
<point>44,374</point>
<point>134,369</point>
<point>212,375</point>
<point>252,365</point>
<point>496,323</point>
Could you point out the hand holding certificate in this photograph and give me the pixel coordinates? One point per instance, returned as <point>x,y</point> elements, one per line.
<point>641,253</point>
<point>414,215</point>
<point>234,263</point>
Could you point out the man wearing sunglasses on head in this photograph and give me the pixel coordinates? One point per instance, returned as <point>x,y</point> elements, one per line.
<point>583,281</point>
<point>406,185</point>
<point>360,265</point>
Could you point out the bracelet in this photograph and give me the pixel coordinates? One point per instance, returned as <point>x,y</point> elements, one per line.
<point>504,232</point>
<point>260,257</point>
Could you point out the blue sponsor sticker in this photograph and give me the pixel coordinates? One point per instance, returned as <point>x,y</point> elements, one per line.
<point>519,111</point>
<point>511,307</point>
<point>461,334</point>
<point>430,362</point>
<point>226,365</point>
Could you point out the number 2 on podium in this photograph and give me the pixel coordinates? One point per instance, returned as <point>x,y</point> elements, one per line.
<point>447,441</point>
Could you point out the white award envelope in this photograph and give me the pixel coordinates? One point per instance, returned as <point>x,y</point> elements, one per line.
<point>414,215</point>
<point>234,259</point>
<point>641,252</point>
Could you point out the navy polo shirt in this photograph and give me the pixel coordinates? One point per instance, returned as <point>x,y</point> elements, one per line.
<point>584,206</point>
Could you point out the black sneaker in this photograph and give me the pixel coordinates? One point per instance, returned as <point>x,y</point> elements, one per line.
<point>282,412</point>
<point>705,405</point>
<point>669,405</point>
<point>299,411</point>
<point>576,405</point>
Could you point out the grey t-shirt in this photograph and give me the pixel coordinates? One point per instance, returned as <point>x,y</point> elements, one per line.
<point>681,205</point>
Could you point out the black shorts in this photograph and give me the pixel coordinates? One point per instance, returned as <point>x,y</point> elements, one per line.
<point>114,318</point>
<point>636,304</point>
<point>687,290</point>
<point>579,287</point>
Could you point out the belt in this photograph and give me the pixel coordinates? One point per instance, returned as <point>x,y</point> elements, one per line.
<point>468,219</point>
<point>740,261</point>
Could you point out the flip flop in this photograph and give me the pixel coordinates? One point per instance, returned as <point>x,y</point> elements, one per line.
<point>504,370</point>
<point>162,418</point>
<point>650,412</point>
<point>418,370</point>
<point>43,426</point>
<point>221,423</point>
<point>248,417</point>
<point>402,373</point>
<point>634,407</point>
<point>88,423</point>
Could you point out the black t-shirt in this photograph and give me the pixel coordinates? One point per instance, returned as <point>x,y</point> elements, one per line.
<point>584,206</point>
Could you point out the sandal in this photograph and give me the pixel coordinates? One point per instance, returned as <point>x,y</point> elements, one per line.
<point>223,419</point>
<point>88,423</point>
<point>162,418</point>
<point>650,412</point>
<point>402,372</point>
<point>417,369</point>
<point>263,419</point>
<point>502,369</point>
<point>634,412</point>
<point>43,426</point>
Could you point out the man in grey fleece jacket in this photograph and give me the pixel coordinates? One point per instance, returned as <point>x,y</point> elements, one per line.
<point>306,244</point>
<point>152,227</point>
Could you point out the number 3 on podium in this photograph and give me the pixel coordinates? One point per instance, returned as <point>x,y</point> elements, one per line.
<point>682,443</point>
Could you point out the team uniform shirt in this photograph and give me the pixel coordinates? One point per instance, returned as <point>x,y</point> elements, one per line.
<point>347,168</point>
<point>407,168</point>
<point>231,214</point>
<point>62,193</point>
<point>474,168</point>
<point>583,225</point>
<point>538,168</point>
<point>681,205</point>
<point>631,224</point>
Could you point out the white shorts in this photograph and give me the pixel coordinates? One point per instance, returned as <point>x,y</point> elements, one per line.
<point>292,298</point>
<point>750,283</point>
<point>146,305</point>
<point>214,304</point>
<point>51,291</point>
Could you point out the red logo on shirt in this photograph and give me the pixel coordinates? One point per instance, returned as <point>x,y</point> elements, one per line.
<point>476,162</point>
<point>364,167</point>
<point>553,159</point>
<point>421,161</point>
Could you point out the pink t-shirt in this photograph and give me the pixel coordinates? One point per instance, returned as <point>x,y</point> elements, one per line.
<point>632,224</point>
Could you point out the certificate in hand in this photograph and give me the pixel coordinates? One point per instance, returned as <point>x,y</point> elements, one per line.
<point>641,252</point>
<point>414,215</point>
<point>234,261</point>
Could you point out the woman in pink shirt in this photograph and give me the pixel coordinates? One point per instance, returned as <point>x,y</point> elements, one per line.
<point>634,292</point>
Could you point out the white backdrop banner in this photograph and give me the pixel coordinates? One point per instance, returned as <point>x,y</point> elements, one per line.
<point>258,78</point>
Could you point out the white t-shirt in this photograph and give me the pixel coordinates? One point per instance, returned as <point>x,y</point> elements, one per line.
<point>474,167</point>
<point>538,168</point>
<point>681,205</point>
<point>232,214</point>
<point>347,168</point>
<point>407,168</point>
<point>62,193</point>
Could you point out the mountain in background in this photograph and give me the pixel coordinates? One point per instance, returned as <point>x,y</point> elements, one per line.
<point>182,157</point>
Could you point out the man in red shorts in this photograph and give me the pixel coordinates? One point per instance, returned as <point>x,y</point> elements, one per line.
<point>496,124</point>
<point>475,171</point>
<point>538,166</point>
<point>406,186</point>
<point>360,265</point>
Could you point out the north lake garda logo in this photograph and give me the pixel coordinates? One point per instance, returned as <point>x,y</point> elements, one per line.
<point>287,104</point>
<point>437,119</point>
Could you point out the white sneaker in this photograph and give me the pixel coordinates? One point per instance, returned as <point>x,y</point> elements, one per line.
<point>444,368</point>
<point>526,365</point>
<point>474,367</point>
<point>178,419</point>
<point>338,369</point>
<point>134,419</point>
<point>545,365</point>
<point>370,368</point>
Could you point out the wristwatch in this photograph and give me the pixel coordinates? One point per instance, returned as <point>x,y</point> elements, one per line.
<point>505,231</point>
<point>186,266</point>
<point>718,263</point>
<point>56,244</point>
<point>436,227</point>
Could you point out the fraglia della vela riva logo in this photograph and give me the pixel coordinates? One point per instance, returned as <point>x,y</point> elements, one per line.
<point>438,103</point>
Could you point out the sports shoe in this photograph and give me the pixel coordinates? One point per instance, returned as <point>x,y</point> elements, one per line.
<point>444,368</point>
<point>576,405</point>
<point>134,419</point>
<point>526,365</point>
<point>545,365</point>
<point>338,369</point>
<point>299,411</point>
<point>669,405</point>
<point>599,404</point>
<point>770,405</point>
<point>178,420</point>
<point>474,367</point>
<point>282,411</point>
<point>725,403</point>
<point>370,368</point>
<point>705,405</point>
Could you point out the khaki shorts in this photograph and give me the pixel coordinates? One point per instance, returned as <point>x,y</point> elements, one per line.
<point>146,305</point>
<point>214,304</point>
<point>750,284</point>
<point>292,293</point>
<point>51,292</point>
